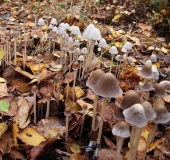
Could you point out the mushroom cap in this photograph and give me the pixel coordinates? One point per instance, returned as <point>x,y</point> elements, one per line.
<point>107,86</point>
<point>149,112</point>
<point>62,30</point>
<point>76,42</point>
<point>53,21</point>
<point>41,22</point>
<point>71,49</point>
<point>75,65</point>
<point>102,43</point>
<point>39,58</point>
<point>81,58</point>
<point>85,107</point>
<point>34,88</point>
<point>95,34</point>
<point>135,115</point>
<point>66,26</point>
<point>94,77</point>
<point>113,50</point>
<point>55,29</point>
<point>67,111</point>
<point>99,49</point>
<point>121,129</point>
<point>70,40</point>
<point>162,115</point>
<point>50,26</point>
<point>147,87</point>
<point>160,90</point>
<point>131,97</point>
<point>146,71</point>
<point>160,55</point>
<point>128,46</point>
<point>118,114</point>
<point>87,31</point>
<point>155,73</point>
<point>76,30</point>
<point>119,58</point>
<point>153,58</point>
<point>48,96</point>
<point>84,50</point>
<point>78,51</point>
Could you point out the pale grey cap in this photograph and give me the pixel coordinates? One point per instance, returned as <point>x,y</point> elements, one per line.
<point>160,90</point>
<point>149,112</point>
<point>113,50</point>
<point>53,21</point>
<point>107,86</point>
<point>121,129</point>
<point>41,22</point>
<point>76,30</point>
<point>147,87</point>
<point>153,58</point>
<point>87,31</point>
<point>135,115</point>
<point>102,43</point>
<point>95,34</point>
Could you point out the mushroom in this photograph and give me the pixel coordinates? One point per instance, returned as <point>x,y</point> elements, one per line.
<point>153,58</point>
<point>162,116</point>
<point>68,79</point>
<point>121,130</point>
<point>135,115</point>
<point>107,86</point>
<point>118,114</point>
<point>53,21</point>
<point>84,113</point>
<point>34,90</point>
<point>120,59</point>
<point>75,67</point>
<point>113,51</point>
<point>67,113</point>
<point>48,104</point>
<point>92,80</point>
<point>81,60</point>
<point>102,44</point>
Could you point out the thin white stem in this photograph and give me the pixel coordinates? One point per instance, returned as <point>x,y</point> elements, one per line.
<point>94,112</point>
<point>66,136</point>
<point>74,82</point>
<point>119,144</point>
<point>111,63</point>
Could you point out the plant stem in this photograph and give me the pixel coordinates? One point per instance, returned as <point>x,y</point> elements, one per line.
<point>35,108</point>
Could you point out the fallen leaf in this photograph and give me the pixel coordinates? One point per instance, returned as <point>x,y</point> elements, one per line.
<point>73,105</point>
<point>2,53</point>
<point>155,144</point>
<point>15,131</point>
<point>30,136</point>
<point>142,144</point>
<point>3,90</point>
<point>4,106</point>
<point>76,156</point>
<point>75,148</point>
<point>79,92</point>
<point>24,73</point>
<point>3,128</point>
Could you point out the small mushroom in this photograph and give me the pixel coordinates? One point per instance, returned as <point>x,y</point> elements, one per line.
<point>48,104</point>
<point>121,130</point>
<point>34,90</point>
<point>113,51</point>
<point>67,113</point>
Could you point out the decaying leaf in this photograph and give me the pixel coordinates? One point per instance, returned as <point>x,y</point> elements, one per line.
<point>24,73</point>
<point>22,118</point>
<point>73,105</point>
<point>30,136</point>
<point>15,131</point>
<point>76,156</point>
<point>3,128</point>
<point>50,127</point>
<point>4,106</point>
<point>3,90</point>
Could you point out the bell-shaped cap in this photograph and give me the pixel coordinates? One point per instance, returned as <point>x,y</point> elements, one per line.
<point>162,115</point>
<point>87,31</point>
<point>84,50</point>
<point>147,87</point>
<point>55,29</point>
<point>67,111</point>
<point>127,46</point>
<point>75,65</point>
<point>53,21</point>
<point>70,40</point>
<point>113,50</point>
<point>95,34</point>
<point>50,27</point>
<point>135,115</point>
<point>119,58</point>
<point>149,112</point>
<point>107,86</point>
<point>153,58</point>
<point>121,129</point>
<point>76,42</point>
<point>62,30</point>
<point>160,90</point>
<point>118,114</point>
<point>102,43</point>
<point>146,71</point>
<point>76,30</point>
<point>94,77</point>
<point>41,22</point>
<point>81,58</point>
<point>131,97</point>
<point>66,26</point>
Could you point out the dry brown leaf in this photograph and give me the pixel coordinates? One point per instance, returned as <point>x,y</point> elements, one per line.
<point>24,73</point>
<point>3,90</point>
<point>14,154</point>
<point>20,85</point>
<point>50,127</point>
<point>22,118</point>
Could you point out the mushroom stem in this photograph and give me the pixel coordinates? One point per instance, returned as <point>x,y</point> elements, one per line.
<point>48,108</point>
<point>35,108</point>
<point>94,112</point>
<point>125,65</point>
<point>136,142</point>
<point>67,90</point>
<point>101,120</point>
<point>74,82</point>
<point>111,63</point>
<point>84,113</point>
<point>70,62</point>
<point>150,137</point>
<point>118,69</point>
<point>80,71</point>
<point>15,50</point>
<point>119,144</point>
<point>67,121</point>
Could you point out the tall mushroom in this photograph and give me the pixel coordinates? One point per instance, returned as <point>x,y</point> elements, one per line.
<point>113,51</point>
<point>34,90</point>
<point>67,113</point>
<point>107,87</point>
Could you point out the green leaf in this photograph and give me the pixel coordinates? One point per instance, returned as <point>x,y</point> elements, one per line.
<point>4,106</point>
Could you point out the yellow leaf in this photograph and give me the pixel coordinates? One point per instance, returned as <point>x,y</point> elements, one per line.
<point>157,65</point>
<point>2,53</point>
<point>119,44</point>
<point>144,134</point>
<point>164,50</point>
<point>127,155</point>
<point>75,148</point>
<point>76,157</point>
<point>79,92</point>
<point>30,136</point>
<point>116,17</point>
<point>3,128</point>
<point>142,144</point>
<point>15,131</point>
<point>167,99</point>
<point>155,144</point>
